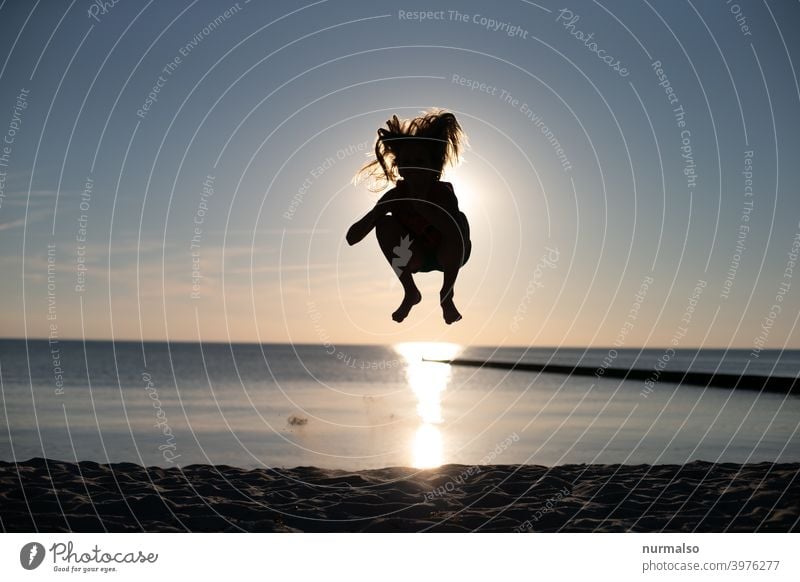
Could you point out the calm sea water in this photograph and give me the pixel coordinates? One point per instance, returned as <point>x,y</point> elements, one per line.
<point>376,406</point>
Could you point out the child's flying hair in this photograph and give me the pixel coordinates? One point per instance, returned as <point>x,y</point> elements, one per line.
<point>436,129</point>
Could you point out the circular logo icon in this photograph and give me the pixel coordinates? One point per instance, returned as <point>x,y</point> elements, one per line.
<point>31,555</point>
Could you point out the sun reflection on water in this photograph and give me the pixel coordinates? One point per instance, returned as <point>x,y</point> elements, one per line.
<point>428,380</point>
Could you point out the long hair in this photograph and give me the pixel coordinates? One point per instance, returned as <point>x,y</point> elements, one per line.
<point>437,130</point>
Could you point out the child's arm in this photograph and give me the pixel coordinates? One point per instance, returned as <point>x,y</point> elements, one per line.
<point>364,226</point>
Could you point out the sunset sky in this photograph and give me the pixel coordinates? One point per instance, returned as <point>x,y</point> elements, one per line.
<point>185,170</point>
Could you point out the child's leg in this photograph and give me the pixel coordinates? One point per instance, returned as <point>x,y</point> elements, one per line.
<point>390,234</point>
<point>450,255</point>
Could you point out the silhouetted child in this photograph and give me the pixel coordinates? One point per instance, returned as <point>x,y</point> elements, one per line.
<point>417,223</point>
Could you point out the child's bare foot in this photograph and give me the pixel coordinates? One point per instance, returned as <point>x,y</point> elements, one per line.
<point>449,311</point>
<point>409,301</point>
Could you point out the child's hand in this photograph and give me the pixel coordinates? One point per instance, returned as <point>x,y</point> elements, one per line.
<point>352,235</point>
<point>357,232</point>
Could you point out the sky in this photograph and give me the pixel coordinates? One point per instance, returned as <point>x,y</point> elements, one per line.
<point>183,170</point>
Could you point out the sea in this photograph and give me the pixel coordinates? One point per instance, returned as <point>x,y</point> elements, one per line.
<point>356,407</point>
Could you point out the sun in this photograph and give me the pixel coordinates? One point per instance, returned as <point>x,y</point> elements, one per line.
<point>466,188</point>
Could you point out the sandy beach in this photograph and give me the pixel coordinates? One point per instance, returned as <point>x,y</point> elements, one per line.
<point>55,496</point>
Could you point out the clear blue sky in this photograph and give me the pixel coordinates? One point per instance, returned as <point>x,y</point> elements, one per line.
<point>580,183</point>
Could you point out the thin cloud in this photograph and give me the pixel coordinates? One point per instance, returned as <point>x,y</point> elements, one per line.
<point>19,198</point>
<point>294,231</point>
<point>30,218</point>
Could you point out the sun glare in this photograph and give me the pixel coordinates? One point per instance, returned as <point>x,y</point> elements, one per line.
<point>467,189</point>
<point>428,380</point>
<point>428,447</point>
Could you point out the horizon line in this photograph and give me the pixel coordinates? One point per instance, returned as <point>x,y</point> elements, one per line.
<point>303,343</point>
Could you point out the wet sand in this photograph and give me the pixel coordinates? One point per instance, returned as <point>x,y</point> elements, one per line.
<point>55,496</point>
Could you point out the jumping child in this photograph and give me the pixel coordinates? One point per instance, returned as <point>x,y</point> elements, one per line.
<point>418,224</point>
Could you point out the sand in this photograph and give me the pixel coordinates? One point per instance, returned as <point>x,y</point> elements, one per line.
<point>55,496</point>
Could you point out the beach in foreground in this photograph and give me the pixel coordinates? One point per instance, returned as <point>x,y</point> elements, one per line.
<point>55,496</point>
